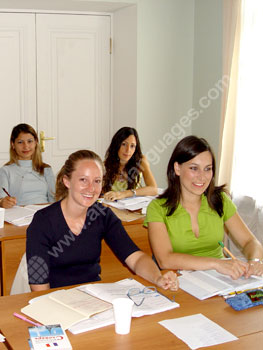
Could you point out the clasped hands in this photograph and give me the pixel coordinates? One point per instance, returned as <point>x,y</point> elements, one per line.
<point>168,280</point>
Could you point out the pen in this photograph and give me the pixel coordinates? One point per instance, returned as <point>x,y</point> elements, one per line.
<point>6,191</point>
<point>26,319</point>
<point>172,299</point>
<point>245,290</point>
<point>226,250</point>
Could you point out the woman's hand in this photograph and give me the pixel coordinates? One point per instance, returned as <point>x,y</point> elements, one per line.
<point>144,266</point>
<point>255,268</point>
<point>168,281</point>
<point>8,202</point>
<point>115,195</point>
<point>232,267</point>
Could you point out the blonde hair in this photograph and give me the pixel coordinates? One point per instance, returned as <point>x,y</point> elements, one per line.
<point>37,162</point>
<point>70,166</point>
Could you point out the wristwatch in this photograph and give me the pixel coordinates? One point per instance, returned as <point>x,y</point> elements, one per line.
<point>134,192</point>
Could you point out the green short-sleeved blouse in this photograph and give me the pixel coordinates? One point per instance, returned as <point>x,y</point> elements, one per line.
<point>179,227</point>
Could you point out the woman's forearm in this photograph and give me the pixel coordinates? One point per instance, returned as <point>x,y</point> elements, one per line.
<point>253,249</point>
<point>144,266</point>
<point>146,191</point>
<point>39,287</point>
<point>180,261</point>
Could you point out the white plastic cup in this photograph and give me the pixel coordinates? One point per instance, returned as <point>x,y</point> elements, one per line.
<point>2,217</point>
<point>122,308</point>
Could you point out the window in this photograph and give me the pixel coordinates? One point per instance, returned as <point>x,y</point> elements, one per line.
<point>247,174</point>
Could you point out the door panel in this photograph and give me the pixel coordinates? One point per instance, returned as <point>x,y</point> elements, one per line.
<point>17,75</point>
<point>73,84</point>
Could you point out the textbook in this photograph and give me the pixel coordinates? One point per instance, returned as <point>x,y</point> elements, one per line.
<point>20,216</point>
<point>205,284</point>
<point>48,337</point>
<point>65,307</point>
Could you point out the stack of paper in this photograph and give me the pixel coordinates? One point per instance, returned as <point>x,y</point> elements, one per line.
<point>205,284</point>
<point>153,303</point>
<point>133,203</point>
<point>20,216</point>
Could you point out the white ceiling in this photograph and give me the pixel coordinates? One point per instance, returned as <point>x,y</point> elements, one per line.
<point>63,5</point>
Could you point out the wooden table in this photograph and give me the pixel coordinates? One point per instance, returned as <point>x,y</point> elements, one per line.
<point>146,333</point>
<point>13,246</point>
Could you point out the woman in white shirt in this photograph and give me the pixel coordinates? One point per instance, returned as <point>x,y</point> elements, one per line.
<point>25,178</point>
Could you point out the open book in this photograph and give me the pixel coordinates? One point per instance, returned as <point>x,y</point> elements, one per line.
<point>66,307</point>
<point>205,284</point>
<point>20,216</point>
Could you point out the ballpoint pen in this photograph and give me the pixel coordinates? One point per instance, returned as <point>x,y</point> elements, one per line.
<point>26,319</point>
<point>6,191</point>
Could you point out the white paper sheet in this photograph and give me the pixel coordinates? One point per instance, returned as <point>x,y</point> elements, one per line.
<point>198,331</point>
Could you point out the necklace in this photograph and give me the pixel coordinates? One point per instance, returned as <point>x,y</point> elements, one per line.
<point>121,175</point>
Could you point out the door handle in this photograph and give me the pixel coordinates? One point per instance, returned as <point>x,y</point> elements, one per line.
<point>43,139</point>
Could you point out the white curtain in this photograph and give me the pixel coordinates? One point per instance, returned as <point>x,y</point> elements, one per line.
<point>247,173</point>
<point>231,42</point>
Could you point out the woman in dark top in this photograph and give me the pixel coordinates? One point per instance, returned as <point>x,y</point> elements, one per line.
<point>126,167</point>
<point>64,239</point>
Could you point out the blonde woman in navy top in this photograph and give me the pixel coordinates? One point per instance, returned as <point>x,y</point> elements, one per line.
<point>64,239</point>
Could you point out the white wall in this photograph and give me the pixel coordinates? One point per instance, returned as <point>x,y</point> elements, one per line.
<point>160,93</point>
<point>165,77</point>
<point>208,70</point>
<point>124,109</point>
<point>179,59</point>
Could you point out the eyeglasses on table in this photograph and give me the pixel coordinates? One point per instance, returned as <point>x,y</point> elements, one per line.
<point>136,292</point>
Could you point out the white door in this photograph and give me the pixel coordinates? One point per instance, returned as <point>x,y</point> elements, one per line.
<point>55,75</point>
<point>17,75</point>
<point>73,84</point>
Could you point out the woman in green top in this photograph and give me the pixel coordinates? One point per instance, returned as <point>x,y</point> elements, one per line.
<point>125,166</point>
<point>187,221</point>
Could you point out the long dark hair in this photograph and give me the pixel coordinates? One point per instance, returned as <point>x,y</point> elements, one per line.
<point>37,163</point>
<point>112,161</point>
<point>188,148</point>
<point>68,168</point>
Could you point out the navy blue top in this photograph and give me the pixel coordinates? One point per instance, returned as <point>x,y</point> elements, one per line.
<point>58,257</point>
